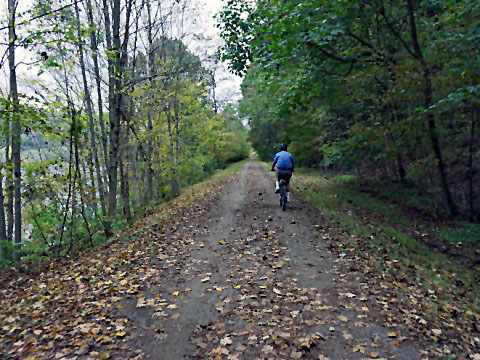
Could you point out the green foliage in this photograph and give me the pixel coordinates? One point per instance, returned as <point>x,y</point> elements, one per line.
<point>192,141</point>
<point>343,84</point>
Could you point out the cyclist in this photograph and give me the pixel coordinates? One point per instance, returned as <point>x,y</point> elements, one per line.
<point>285,166</point>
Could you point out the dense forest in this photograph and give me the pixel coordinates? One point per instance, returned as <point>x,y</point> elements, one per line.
<point>388,90</point>
<point>114,115</point>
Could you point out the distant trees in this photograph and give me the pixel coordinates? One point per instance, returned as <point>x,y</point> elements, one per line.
<point>384,87</point>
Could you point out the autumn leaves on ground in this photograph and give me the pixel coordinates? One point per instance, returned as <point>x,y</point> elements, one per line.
<point>221,272</point>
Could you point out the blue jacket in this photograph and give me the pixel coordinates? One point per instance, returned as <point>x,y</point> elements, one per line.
<point>284,161</point>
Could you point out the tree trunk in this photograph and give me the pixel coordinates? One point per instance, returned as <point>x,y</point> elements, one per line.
<point>177,146</point>
<point>3,227</point>
<point>116,73</point>
<point>124,172</point>
<point>148,165</point>
<point>16,141</point>
<point>9,185</point>
<point>112,50</point>
<point>401,169</point>
<point>432,128</point>
<point>173,178</point>
<point>98,79</point>
<point>93,144</point>
<point>471,170</point>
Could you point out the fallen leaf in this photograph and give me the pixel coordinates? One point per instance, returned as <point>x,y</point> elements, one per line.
<point>267,349</point>
<point>296,354</point>
<point>358,348</point>
<point>226,341</point>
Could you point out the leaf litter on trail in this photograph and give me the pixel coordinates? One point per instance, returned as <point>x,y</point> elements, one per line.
<point>254,318</point>
<point>74,302</point>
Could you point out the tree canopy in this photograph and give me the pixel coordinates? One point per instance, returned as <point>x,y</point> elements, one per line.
<point>386,87</point>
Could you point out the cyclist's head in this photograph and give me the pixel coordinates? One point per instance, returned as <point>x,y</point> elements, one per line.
<point>283,147</point>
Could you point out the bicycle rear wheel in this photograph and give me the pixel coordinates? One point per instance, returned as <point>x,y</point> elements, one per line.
<point>283,195</point>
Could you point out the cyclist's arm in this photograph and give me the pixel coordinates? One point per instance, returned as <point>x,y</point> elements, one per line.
<point>275,159</point>
<point>273,166</point>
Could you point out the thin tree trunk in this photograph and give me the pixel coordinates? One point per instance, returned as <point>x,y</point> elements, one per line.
<point>93,144</point>
<point>471,170</point>
<point>98,79</point>
<point>116,73</point>
<point>16,147</point>
<point>428,94</point>
<point>9,185</point>
<point>177,146</point>
<point>3,227</point>
<point>401,169</point>
<point>124,172</point>
<point>173,178</point>
<point>112,50</point>
<point>148,165</point>
<point>70,194</point>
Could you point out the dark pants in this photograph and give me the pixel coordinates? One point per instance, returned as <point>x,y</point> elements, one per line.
<point>284,175</point>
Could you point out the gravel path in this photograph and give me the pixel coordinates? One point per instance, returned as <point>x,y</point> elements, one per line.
<point>240,279</point>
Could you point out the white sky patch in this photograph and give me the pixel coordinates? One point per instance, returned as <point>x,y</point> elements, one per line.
<point>203,39</point>
<point>205,43</point>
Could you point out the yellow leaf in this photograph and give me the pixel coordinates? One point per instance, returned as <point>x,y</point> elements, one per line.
<point>219,288</point>
<point>176,293</point>
<point>374,355</point>
<point>392,334</point>
<point>262,286</point>
<point>121,334</point>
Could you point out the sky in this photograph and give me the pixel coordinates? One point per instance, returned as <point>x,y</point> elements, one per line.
<point>228,83</point>
<point>203,40</point>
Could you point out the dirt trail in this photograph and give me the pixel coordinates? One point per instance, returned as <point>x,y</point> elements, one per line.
<point>242,279</point>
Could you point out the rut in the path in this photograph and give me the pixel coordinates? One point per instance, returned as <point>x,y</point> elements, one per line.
<point>242,279</point>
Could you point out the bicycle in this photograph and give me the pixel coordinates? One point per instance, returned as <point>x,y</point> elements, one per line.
<point>283,194</point>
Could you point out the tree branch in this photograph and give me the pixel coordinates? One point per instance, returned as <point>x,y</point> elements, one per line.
<point>394,32</point>
<point>322,50</point>
<point>47,13</point>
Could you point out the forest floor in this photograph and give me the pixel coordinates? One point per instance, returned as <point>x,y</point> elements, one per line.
<point>221,272</point>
